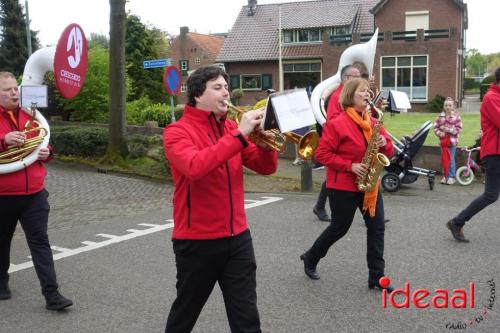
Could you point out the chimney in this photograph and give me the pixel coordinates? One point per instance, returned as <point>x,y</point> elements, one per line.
<point>184,30</point>
<point>252,7</point>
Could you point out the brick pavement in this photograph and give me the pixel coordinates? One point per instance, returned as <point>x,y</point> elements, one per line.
<point>80,195</point>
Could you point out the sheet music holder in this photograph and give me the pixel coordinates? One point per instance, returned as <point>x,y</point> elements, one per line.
<point>288,111</point>
<point>398,102</point>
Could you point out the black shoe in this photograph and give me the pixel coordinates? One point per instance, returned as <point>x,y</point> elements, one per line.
<point>321,214</point>
<point>456,231</point>
<point>57,302</point>
<point>387,220</point>
<point>376,285</point>
<point>5,292</point>
<point>309,268</point>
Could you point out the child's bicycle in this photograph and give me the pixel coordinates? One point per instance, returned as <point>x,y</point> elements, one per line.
<point>465,174</point>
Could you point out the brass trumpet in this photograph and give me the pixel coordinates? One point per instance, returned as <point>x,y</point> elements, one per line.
<point>276,142</point>
<point>306,144</point>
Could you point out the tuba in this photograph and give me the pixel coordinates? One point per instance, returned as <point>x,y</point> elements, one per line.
<point>374,160</point>
<point>364,53</point>
<point>17,158</point>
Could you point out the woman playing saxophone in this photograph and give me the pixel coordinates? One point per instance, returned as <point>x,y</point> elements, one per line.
<point>342,149</point>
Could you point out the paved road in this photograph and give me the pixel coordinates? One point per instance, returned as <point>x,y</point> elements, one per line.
<point>122,276</point>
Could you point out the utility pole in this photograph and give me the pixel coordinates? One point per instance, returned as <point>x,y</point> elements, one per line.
<point>28,30</point>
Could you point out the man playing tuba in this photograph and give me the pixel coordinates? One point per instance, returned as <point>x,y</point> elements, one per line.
<point>23,198</point>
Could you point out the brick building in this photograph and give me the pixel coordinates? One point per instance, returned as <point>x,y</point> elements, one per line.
<point>191,50</point>
<point>420,47</point>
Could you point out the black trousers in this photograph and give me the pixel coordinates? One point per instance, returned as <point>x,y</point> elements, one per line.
<point>200,264</point>
<point>32,211</point>
<point>491,192</point>
<point>343,205</point>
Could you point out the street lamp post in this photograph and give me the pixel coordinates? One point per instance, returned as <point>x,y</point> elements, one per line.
<point>28,30</point>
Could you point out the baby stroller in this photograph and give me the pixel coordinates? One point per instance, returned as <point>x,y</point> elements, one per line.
<point>401,169</point>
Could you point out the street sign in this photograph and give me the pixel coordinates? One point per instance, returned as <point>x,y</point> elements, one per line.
<point>156,63</point>
<point>70,61</point>
<point>172,80</point>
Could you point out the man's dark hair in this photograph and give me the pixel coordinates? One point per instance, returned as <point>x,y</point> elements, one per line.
<point>197,81</point>
<point>497,75</point>
<point>345,69</point>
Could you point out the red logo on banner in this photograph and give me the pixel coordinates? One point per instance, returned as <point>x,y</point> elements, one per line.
<point>70,62</point>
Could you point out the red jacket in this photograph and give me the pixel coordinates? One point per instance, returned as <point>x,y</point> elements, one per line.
<point>333,109</point>
<point>206,159</point>
<point>490,122</point>
<point>342,144</point>
<point>28,180</point>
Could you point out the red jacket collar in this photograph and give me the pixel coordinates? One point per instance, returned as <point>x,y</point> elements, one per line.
<point>2,109</point>
<point>200,115</point>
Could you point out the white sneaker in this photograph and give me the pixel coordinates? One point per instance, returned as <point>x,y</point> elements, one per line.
<point>297,161</point>
<point>450,181</point>
<point>443,181</point>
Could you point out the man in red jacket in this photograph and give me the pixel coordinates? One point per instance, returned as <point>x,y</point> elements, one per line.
<point>24,199</point>
<point>490,157</point>
<point>211,240</point>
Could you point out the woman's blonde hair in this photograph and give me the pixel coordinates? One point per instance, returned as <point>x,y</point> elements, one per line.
<point>349,89</point>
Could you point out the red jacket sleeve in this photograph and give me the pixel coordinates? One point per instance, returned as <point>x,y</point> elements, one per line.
<point>491,109</point>
<point>260,160</point>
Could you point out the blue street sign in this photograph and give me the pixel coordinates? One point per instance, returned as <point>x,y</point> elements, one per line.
<point>156,63</point>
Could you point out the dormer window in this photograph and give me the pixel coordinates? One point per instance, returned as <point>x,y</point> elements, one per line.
<point>302,36</point>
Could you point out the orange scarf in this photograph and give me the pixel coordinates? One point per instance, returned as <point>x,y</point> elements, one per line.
<point>370,199</point>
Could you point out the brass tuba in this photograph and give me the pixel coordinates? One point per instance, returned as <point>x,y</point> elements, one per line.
<point>17,158</point>
<point>374,160</point>
<point>364,53</point>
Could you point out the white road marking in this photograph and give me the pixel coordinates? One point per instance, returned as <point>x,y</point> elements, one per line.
<point>132,233</point>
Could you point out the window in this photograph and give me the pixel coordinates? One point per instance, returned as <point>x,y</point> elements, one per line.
<point>302,67</point>
<point>251,82</point>
<point>407,74</point>
<point>183,87</point>
<point>301,36</point>
<point>184,65</point>
<point>197,60</point>
<point>342,30</point>
<point>417,20</point>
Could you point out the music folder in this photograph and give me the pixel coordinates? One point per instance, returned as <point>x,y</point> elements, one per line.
<point>398,101</point>
<point>288,110</point>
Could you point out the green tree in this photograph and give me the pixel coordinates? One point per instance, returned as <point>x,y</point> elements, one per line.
<point>475,63</point>
<point>98,40</point>
<point>117,148</point>
<point>13,37</point>
<point>143,43</point>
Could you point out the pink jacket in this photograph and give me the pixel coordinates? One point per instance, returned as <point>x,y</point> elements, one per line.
<point>448,125</point>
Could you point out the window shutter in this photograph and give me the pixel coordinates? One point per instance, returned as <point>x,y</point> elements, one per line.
<point>267,81</point>
<point>234,82</point>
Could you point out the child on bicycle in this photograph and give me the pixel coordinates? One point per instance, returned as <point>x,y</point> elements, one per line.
<point>447,127</point>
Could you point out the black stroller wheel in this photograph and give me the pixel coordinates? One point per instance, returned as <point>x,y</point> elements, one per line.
<point>391,182</point>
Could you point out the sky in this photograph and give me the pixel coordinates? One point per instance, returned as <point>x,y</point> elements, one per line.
<point>50,17</point>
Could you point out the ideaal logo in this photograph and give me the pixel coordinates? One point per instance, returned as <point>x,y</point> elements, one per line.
<point>421,298</point>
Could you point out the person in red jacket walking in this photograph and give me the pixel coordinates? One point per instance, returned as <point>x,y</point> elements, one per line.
<point>341,150</point>
<point>490,158</point>
<point>23,198</point>
<point>211,240</point>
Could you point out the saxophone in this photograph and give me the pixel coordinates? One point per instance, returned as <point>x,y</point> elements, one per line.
<point>374,160</point>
